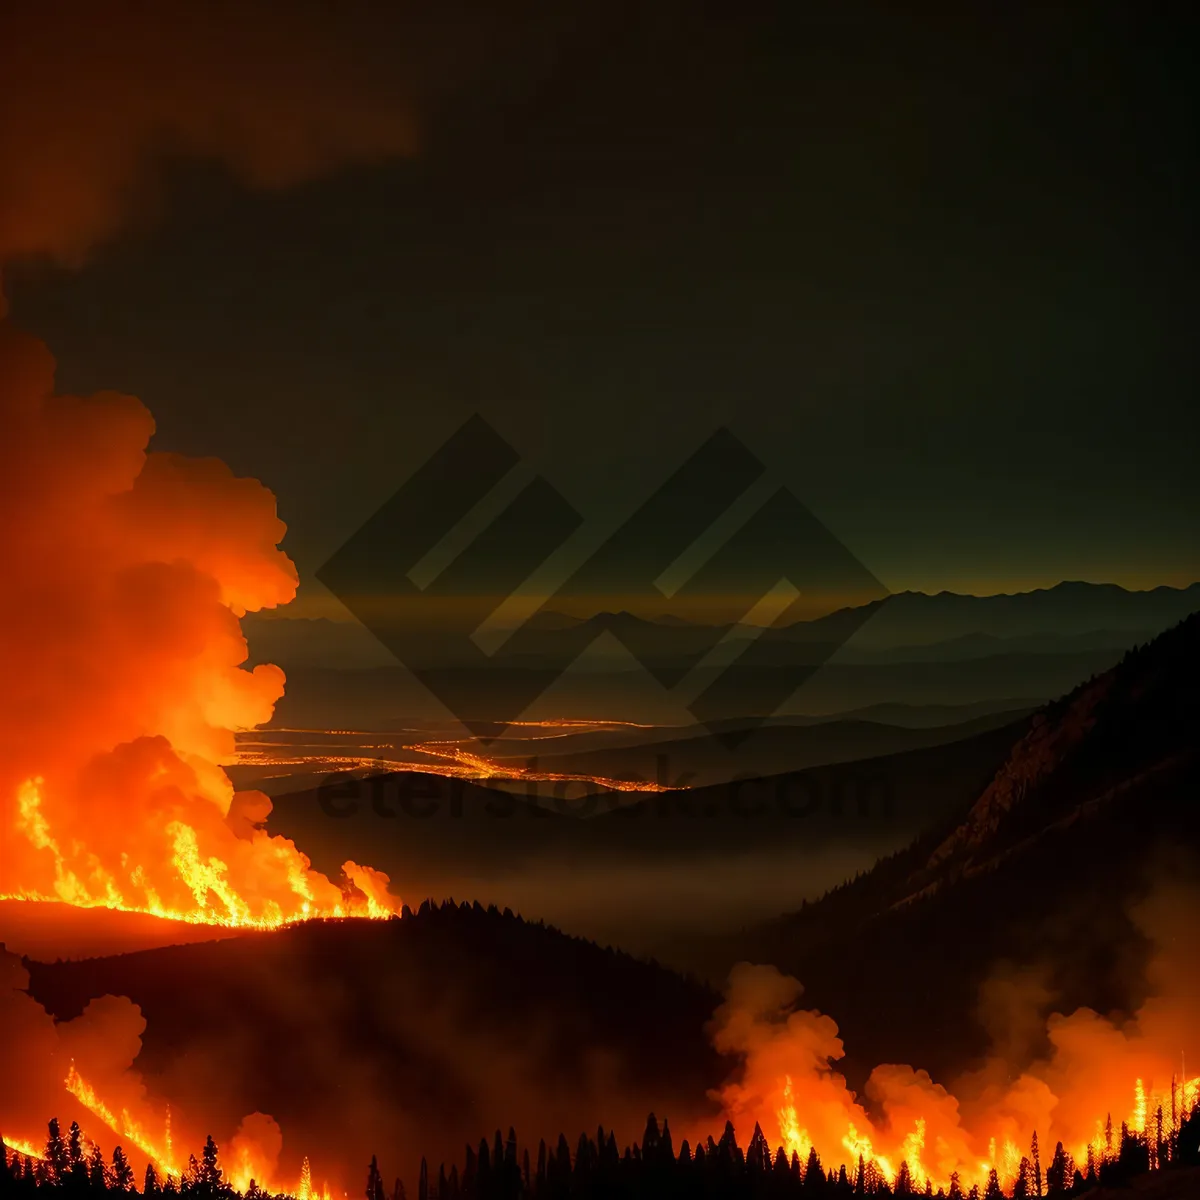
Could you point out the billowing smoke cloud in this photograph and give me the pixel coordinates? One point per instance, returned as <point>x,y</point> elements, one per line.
<point>1096,1068</point>
<point>254,1152</point>
<point>95,95</point>
<point>125,575</point>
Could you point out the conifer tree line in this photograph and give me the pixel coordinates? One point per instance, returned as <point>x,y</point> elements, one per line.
<point>597,1170</point>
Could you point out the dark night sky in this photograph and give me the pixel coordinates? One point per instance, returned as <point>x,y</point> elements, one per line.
<point>935,267</point>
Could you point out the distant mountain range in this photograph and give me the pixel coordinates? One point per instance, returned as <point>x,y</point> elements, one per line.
<point>908,626</point>
<point>946,650</point>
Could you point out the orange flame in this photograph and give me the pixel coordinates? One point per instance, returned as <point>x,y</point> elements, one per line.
<point>21,1148</point>
<point>855,1143</point>
<point>124,1124</point>
<point>217,902</point>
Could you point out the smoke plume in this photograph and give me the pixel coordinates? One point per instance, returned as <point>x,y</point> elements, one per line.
<point>126,572</point>
<point>1097,1068</point>
<point>96,95</point>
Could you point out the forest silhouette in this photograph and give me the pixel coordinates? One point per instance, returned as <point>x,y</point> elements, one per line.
<point>72,1166</point>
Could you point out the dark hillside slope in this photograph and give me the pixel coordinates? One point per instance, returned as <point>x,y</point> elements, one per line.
<point>418,1032</point>
<point>1095,805</point>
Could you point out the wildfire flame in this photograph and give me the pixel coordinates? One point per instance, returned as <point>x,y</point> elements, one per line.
<point>21,1148</point>
<point>1006,1163</point>
<point>247,1167</point>
<point>1100,1083</point>
<point>217,901</point>
<point>123,1124</point>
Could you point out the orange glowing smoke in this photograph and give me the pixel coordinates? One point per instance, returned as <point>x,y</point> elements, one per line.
<point>255,1151</point>
<point>126,573</point>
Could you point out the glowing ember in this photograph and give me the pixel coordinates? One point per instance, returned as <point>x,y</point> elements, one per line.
<point>470,764</point>
<point>450,758</point>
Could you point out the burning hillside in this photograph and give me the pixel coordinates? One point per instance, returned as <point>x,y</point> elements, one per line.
<point>474,1019</point>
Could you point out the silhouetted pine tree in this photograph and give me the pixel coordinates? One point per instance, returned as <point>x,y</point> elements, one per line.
<point>210,1176</point>
<point>814,1177</point>
<point>1187,1141</point>
<point>648,1170</point>
<point>122,1172</point>
<point>758,1153</point>
<point>583,1159</point>
<point>651,1137</point>
<point>75,1145</point>
<point>1133,1158</point>
<point>97,1172</point>
<point>56,1154</point>
<point>1060,1172</point>
<point>729,1154</point>
<point>1023,1185</point>
<point>374,1189</point>
<point>483,1170</point>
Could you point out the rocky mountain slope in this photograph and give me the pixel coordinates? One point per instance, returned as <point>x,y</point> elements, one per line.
<point>1094,808</point>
